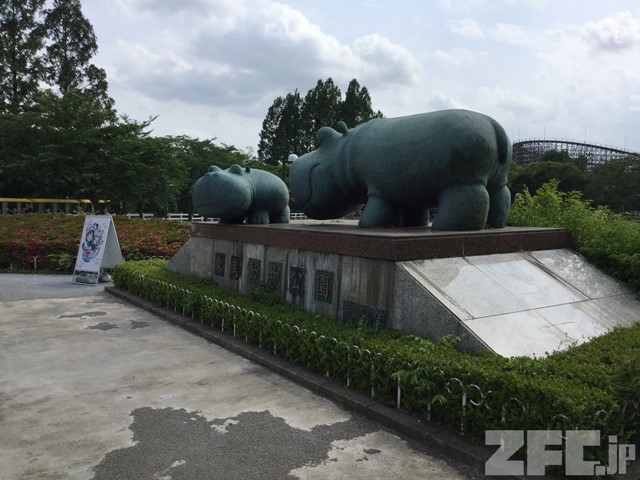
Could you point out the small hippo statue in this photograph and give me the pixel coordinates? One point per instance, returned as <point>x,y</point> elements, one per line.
<point>237,193</point>
<point>455,160</point>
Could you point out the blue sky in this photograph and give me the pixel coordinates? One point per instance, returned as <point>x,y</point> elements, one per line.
<point>565,69</point>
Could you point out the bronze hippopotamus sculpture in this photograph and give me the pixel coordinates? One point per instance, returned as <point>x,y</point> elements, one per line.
<point>456,160</point>
<point>238,194</point>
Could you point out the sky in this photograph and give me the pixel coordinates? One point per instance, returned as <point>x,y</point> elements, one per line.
<point>210,69</point>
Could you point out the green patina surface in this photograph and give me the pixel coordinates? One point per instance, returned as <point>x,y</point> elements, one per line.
<point>237,194</point>
<point>456,160</point>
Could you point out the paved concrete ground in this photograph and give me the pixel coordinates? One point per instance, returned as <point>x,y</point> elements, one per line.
<point>94,388</point>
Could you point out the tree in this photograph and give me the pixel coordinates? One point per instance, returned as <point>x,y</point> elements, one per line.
<point>192,157</point>
<point>533,176</point>
<point>282,132</point>
<point>268,132</point>
<point>18,146</point>
<point>67,144</point>
<point>71,43</point>
<point>292,122</point>
<point>68,141</point>
<point>569,172</point>
<point>616,183</point>
<point>286,134</point>
<point>563,157</point>
<point>514,171</point>
<point>140,170</point>
<point>356,108</point>
<point>321,108</point>
<point>21,38</point>
<point>70,146</point>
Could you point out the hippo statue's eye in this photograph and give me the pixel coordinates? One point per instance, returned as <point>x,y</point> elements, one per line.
<point>213,168</point>
<point>235,169</point>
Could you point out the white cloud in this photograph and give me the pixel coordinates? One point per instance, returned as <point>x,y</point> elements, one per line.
<point>615,33</point>
<point>441,101</point>
<point>224,14</point>
<point>462,7</point>
<point>246,49</point>
<point>533,4</point>
<point>466,27</point>
<point>514,34</point>
<point>213,67</point>
<point>518,102</point>
<point>385,61</point>
<point>461,56</point>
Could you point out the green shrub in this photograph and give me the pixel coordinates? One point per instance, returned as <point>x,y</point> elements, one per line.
<point>587,386</point>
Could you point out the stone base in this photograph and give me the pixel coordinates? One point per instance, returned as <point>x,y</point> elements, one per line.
<point>339,270</point>
<point>346,238</point>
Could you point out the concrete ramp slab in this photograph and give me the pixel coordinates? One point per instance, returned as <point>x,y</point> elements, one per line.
<point>526,303</point>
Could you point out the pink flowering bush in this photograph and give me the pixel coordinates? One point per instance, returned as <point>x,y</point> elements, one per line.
<point>49,242</point>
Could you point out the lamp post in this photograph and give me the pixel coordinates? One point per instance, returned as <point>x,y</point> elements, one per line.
<point>166,199</point>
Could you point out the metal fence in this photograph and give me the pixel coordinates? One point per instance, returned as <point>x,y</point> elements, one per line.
<point>381,374</point>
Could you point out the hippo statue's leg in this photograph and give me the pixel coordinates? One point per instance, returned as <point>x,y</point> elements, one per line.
<point>499,204</point>
<point>380,213</point>
<point>281,217</point>
<point>462,207</point>
<point>257,217</point>
<point>415,218</point>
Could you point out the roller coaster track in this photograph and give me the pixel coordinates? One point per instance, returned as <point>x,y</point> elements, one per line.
<point>528,151</point>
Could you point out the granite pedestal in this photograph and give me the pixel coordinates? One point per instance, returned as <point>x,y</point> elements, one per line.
<point>496,289</point>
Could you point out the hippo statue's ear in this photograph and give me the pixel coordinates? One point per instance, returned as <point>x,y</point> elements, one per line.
<point>325,134</point>
<point>342,128</point>
<point>247,170</point>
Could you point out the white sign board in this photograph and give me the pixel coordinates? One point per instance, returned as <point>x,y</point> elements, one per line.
<point>99,247</point>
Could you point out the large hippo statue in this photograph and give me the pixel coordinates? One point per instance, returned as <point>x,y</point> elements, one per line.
<point>455,160</point>
<point>237,193</point>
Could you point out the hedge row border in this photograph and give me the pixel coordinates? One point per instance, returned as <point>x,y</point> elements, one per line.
<point>431,434</point>
<point>471,396</point>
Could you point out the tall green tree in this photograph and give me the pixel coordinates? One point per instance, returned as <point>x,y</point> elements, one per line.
<point>282,132</point>
<point>21,38</point>
<point>356,107</point>
<point>71,44</point>
<point>321,108</point>
<point>292,122</point>
<point>268,132</point>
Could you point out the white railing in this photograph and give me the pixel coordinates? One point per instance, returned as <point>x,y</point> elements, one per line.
<point>184,217</point>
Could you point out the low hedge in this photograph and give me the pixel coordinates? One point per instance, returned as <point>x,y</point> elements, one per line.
<point>590,386</point>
